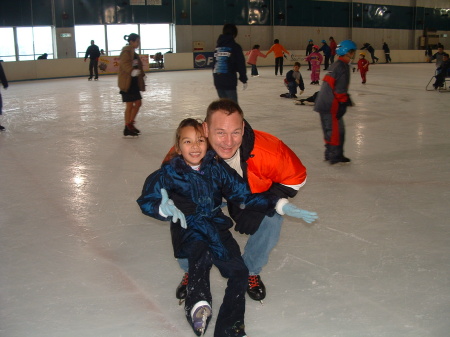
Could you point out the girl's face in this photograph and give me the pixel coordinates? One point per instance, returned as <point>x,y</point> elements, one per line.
<point>135,44</point>
<point>192,145</point>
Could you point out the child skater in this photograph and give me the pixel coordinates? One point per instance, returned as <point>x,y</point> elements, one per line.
<point>293,80</point>
<point>315,58</point>
<point>195,180</point>
<point>279,51</point>
<point>363,66</point>
<point>252,57</point>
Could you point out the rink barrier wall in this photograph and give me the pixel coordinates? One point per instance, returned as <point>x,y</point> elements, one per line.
<point>76,67</point>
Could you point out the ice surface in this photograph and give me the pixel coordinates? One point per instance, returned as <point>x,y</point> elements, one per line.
<point>78,258</point>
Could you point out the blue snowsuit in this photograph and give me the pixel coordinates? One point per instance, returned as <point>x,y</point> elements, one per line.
<point>207,239</point>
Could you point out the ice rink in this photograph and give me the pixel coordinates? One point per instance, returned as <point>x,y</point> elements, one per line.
<point>78,258</point>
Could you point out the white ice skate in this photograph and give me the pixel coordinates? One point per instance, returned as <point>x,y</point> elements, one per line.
<point>199,314</point>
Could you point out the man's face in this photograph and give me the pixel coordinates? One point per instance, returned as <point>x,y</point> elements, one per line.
<point>224,133</point>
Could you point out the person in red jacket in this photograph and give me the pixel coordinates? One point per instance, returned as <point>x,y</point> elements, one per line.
<point>363,67</point>
<point>333,46</point>
<point>267,165</point>
<point>279,51</point>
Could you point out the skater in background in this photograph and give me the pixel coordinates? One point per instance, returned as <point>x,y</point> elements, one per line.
<point>267,165</point>
<point>333,46</point>
<point>428,53</point>
<point>197,181</point>
<point>442,72</point>
<point>309,100</point>
<point>332,103</point>
<point>5,86</point>
<point>278,51</point>
<point>131,82</point>
<point>387,52</point>
<point>93,53</point>
<point>228,60</point>
<point>438,56</point>
<point>363,66</point>
<point>293,81</point>
<point>371,50</point>
<point>309,49</point>
<point>326,50</point>
<point>43,56</point>
<point>252,58</point>
<point>315,59</point>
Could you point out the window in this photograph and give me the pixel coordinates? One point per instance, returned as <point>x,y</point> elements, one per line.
<point>155,38</point>
<point>7,52</point>
<point>33,42</point>
<point>115,37</point>
<point>84,35</point>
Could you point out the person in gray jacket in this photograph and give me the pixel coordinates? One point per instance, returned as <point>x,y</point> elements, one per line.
<point>332,102</point>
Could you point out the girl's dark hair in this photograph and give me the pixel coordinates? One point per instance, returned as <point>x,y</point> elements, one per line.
<point>195,123</point>
<point>256,46</point>
<point>131,37</point>
<point>276,41</point>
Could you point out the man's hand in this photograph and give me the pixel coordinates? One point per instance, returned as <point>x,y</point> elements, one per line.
<point>292,210</point>
<point>169,209</point>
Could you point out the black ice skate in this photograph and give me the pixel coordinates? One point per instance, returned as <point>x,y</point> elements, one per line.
<point>200,314</point>
<point>256,289</point>
<point>181,289</point>
<point>129,132</point>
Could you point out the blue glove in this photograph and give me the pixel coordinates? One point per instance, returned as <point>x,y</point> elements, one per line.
<point>168,208</point>
<point>292,210</point>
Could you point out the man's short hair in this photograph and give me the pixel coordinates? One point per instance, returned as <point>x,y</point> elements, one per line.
<point>224,104</point>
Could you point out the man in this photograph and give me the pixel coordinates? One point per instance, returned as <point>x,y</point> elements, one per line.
<point>332,103</point>
<point>268,165</point>
<point>371,50</point>
<point>93,53</point>
<point>228,60</point>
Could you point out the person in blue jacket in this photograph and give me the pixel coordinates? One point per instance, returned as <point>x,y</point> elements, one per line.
<point>326,50</point>
<point>187,190</point>
<point>228,61</point>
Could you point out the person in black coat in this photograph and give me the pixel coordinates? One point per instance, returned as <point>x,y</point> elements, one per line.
<point>5,85</point>
<point>387,52</point>
<point>228,60</point>
<point>370,49</point>
<point>93,53</point>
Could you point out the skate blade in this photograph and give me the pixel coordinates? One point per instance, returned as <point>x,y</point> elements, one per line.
<point>261,301</point>
<point>181,301</point>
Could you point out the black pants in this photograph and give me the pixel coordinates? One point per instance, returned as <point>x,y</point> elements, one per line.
<point>327,62</point>
<point>232,310</point>
<point>279,63</point>
<point>93,67</point>
<point>388,57</point>
<point>334,136</point>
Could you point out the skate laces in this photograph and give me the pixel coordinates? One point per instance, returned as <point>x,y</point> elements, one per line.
<point>185,279</point>
<point>253,281</point>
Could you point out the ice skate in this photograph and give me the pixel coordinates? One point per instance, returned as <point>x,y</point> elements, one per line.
<point>128,132</point>
<point>256,289</point>
<point>181,291</point>
<point>90,79</point>
<point>2,128</point>
<point>200,314</point>
<point>134,128</point>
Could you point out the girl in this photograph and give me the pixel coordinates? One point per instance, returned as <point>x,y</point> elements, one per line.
<point>315,58</point>
<point>196,180</point>
<point>363,66</point>
<point>131,82</point>
<point>252,57</point>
